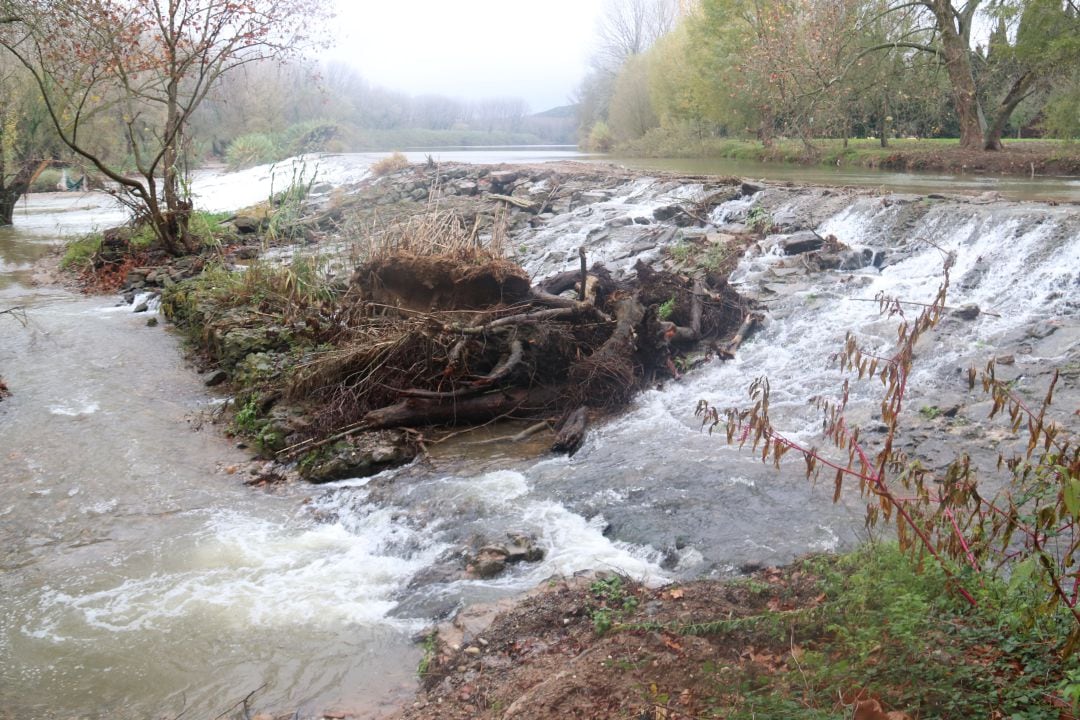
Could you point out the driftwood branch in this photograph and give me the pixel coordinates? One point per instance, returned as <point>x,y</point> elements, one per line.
<point>584,274</point>
<point>516,437</point>
<point>571,432</point>
<point>727,351</point>
<point>501,371</point>
<point>18,312</point>
<point>515,201</point>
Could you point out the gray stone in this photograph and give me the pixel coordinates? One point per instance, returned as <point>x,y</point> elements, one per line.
<point>802,242</point>
<point>216,378</point>
<point>966,312</point>
<point>1041,330</point>
<point>489,562</point>
<point>245,224</point>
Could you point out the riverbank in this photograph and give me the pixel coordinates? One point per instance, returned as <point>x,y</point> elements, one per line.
<point>868,636</point>
<point>1022,158</point>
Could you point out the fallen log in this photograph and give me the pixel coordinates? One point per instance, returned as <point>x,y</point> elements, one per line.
<point>727,350</point>
<point>571,432</point>
<point>417,412</point>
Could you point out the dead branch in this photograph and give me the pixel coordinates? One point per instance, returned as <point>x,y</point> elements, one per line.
<point>18,312</point>
<point>750,321</point>
<point>501,371</point>
<point>515,201</point>
<point>517,437</point>
<point>584,274</point>
<point>697,306</point>
<point>572,432</point>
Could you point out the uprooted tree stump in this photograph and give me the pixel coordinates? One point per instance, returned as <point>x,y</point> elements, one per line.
<point>426,340</point>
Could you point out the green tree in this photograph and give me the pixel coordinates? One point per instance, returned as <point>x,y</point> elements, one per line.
<point>27,140</point>
<point>631,114</point>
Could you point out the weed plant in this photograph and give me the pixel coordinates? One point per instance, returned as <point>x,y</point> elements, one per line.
<point>1010,558</point>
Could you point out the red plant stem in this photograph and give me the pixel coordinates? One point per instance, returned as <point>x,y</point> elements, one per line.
<point>882,491</point>
<point>952,520</point>
<point>1055,582</point>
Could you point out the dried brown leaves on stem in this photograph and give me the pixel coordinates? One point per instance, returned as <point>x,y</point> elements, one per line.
<point>1028,530</point>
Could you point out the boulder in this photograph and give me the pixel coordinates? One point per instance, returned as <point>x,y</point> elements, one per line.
<point>802,242</point>
<point>489,562</point>
<point>246,224</point>
<point>966,312</point>
<point>360,456</point>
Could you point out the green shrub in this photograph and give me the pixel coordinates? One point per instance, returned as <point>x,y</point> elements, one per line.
<point>600,138</point>
<point>250,150</point>
<point>206,226</point>
<point>311,137</point>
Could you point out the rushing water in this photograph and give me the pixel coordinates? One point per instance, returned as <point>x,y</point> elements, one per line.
<point>140,578</point>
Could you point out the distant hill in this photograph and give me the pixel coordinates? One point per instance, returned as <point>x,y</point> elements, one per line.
<point>563,111</point>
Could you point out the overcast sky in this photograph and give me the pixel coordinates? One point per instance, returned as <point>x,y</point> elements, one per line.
<point>470,49</point>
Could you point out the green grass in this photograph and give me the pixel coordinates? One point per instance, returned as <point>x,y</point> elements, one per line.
<point>680,143</point>
<point>79,253</point>
<point>890,628</point>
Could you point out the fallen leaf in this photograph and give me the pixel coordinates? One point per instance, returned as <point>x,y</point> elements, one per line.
<point>869,710</point>
<point>676,594</point>
<point>672,644</point>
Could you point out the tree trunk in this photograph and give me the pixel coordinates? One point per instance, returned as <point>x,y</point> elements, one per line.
<point>11,192</point>
<point>884,124</point>
<point>957,56</point>
<point>1015,96</point>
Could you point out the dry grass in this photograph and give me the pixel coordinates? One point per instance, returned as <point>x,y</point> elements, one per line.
<point>435,232</point>
<point>389,164</point>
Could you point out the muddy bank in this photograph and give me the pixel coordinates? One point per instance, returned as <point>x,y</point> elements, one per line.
<point>1026,159</point>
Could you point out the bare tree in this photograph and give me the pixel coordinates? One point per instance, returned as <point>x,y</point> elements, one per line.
<point>154,62</point>
<point>630,27</point>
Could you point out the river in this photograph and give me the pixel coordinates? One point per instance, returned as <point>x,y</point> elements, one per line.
<point>141,578</point>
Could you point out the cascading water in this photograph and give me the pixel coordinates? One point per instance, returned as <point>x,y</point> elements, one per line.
<point>140,579</point>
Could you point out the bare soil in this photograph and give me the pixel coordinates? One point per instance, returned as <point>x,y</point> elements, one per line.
<point>661,656</point>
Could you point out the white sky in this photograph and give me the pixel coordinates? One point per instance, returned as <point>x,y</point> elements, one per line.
<point>470,49</point>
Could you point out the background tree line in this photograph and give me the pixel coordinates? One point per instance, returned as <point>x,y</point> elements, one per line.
<point>136,92</point>
<point>666,72</point>
<point>272,110</point>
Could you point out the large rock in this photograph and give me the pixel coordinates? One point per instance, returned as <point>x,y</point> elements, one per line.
<point>360,456</point>
<point>802,242</point>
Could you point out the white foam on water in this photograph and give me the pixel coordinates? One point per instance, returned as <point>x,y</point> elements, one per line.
<point>78,408</point>
<point>245,571</point>
<point>574,544</point>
